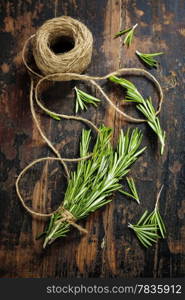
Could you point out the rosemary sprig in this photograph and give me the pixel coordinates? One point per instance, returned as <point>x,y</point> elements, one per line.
<point>133,94</point>
<point>148,59</point>
<point>146,233</point>
<point>145,106</point>
<point>150,227</point>
<point>122,32</point>
<point>55,117</point>
<point>83,98</point>
<point>155,217</point>
<point>92,184</point>
<point>129,37</point>
<point>133,190</point>
<point>148,110</point>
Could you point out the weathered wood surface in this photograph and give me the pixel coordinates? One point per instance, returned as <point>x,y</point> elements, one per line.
<point>109,249</point>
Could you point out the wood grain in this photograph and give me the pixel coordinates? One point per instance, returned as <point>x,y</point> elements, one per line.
<point>109,249</point>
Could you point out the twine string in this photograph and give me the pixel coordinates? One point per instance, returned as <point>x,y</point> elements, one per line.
<point>67,76</point>
<point>68,216</point>
<point>65,67</point>
<point>91,79</point>
<point>29,166</point>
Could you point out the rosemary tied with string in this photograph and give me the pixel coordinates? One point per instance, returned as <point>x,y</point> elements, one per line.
<point>145,106</point>
<point>92,184</point>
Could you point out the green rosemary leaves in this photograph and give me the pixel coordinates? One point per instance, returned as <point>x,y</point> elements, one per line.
<point>146,233</point>
<point>153,121</point>
<point>133,190</point>
<point>145,106</point>
<point>53,116</point>
<point>150,227</point>
<point>92,184</point>
<point>82,99</point>
<point>148,59</point>
<point>129,36</point>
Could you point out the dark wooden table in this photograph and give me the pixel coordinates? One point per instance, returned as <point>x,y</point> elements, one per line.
<point>109,249</point>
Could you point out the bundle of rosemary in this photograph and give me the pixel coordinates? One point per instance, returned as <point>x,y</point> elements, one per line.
<point>92,184</point>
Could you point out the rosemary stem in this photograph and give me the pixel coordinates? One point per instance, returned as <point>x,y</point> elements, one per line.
<point>51,234</point>
<point>158,197</point>
<point>162,144</point>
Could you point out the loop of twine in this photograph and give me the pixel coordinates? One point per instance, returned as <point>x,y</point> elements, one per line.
<point>67,76</point>
<point>66,67</point>
<point>36,161</point>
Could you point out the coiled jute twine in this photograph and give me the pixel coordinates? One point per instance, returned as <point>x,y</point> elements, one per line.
<point>65,67</point>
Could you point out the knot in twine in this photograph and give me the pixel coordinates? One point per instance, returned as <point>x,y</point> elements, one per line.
<point>65,67</point>
<point>68,217</point>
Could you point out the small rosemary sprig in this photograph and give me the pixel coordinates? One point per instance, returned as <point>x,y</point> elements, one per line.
<point>146,233</point>
<point>53,116</point>
<point>150,227</point>
<point>129,37</point>
<point>148,110</point>
<point>92,184</point>
<point>82,99</point>
<point>155,217</point>
<point>133,190</point>
<point>148,59</point>
<point>145,106</point>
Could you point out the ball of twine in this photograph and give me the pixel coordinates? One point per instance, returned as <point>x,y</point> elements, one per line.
<point>76,60</point>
